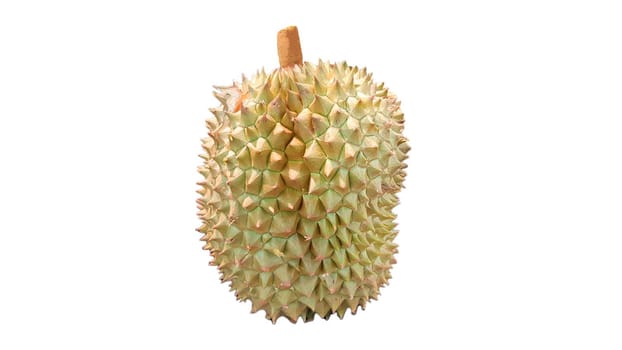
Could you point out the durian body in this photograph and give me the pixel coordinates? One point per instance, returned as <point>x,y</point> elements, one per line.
<point>302,167</point>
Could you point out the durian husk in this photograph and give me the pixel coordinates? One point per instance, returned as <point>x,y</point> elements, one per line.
<point>301,171</point>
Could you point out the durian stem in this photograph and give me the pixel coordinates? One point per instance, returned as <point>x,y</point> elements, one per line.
<point>288,45</point>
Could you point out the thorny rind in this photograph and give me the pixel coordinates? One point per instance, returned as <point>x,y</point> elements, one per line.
<point>302,167</point>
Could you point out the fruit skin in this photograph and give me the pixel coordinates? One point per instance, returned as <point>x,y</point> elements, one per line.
<point>302,167</point>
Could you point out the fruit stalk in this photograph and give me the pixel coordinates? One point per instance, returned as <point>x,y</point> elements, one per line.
<point>288,45</point>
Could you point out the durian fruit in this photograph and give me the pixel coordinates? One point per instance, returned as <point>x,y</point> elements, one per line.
<point>302,166</point>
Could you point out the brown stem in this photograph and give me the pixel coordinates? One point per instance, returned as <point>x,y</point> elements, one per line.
<point>288,45</point>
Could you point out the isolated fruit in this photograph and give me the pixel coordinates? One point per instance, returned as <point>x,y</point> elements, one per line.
<point>302,166</point>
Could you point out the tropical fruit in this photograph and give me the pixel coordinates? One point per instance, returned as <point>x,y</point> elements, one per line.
<point>301,170</point>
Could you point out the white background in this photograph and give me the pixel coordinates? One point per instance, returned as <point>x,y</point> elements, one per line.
<point>510,225</point>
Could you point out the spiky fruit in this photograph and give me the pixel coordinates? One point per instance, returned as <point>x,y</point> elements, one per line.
<point>302,166</point>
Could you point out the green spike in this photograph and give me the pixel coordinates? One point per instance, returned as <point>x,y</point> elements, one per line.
<point>308,301</point>
<point>271,186</point>
<point>279,137</point>
<point>266,261</point>
<point>237,138</point>
<point>326,228</point>
<point>322,309</point>
<point>244,158</point>
<point>339,258</point>
<point>358,178</point>
<point>295,149</point>
<point>305,285</point>
<point>352,253</point>
<point>312,208</point>
<point>296,175</point>
<point>251,133</point>
<point>247,116</point>
<point>296,247</point>
<point>338,117</point>
<point>303,126</point>
<point>289,200</point>
<point>345,216</point>
<point>332,142</point>
<point>259,220</point>
<point>328,266</point>
<point>317,185</point>
<point>307,228</point>
<point>314,157</point>
<point>321,105</point>
<point>351,200</point>
<point>329,168</point>
<point>334,301</point>
<point>284,297</point>
<point>369,146</point>
<point>335,92</point>
<point>259,152</point>
<point>265,279</point>
<point>320,248</point>
<point>294,102</point>
<point>284,224</point>
<point>294,310</point>
<point>309,266</point>
<point>265,124</point>
<point>340,183</point>
<point>306,94</point>
<point>319,124</point>
<point>253,181</point>
<point>330,201</point>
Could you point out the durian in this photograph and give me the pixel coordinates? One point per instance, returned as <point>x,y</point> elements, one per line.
<point>301,170</point>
